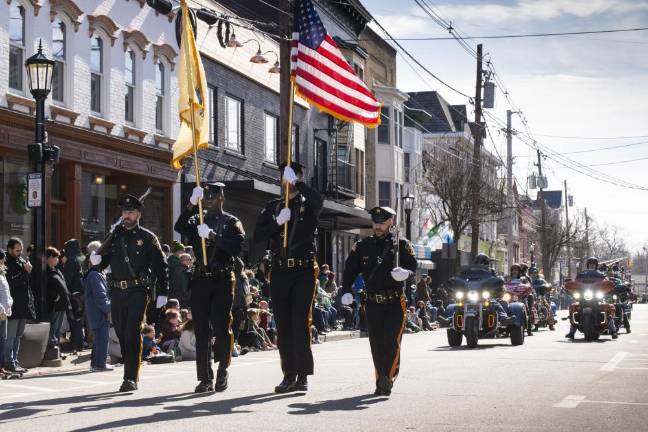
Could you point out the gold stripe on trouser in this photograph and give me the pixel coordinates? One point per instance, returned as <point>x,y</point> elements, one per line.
<point>392,371</point>
<point>229,325</point>
<point>309,317</point>
<point>139,355</point>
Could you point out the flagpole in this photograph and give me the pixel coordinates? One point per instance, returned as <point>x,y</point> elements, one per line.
<point>289,158</point>
<point>191,91</point>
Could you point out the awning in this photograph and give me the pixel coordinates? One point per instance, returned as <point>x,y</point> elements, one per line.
<point>426,264</point>
<point>422,251</point>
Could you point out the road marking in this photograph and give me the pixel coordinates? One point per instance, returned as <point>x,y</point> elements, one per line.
<point>634,341</point>
<point>571,401</point>
<point>632,368</point>
<point>28,387</point>
<point>615,402</point>
<point>612,364</point>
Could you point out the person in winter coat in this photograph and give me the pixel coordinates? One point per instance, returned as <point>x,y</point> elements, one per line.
<point>58,298</point>
<point>18,276</point>
<point>5,307</point>
<point>179,285</point>
<point>73,273</point>
<point>97,307</point>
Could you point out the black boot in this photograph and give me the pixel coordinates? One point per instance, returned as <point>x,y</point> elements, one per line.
<point>570,335</point>
<point>287,385</point>
<point>128,386</point>
<point>302,383</point>
<point>221,380</point>
<point>205,387</point>
<point>383,386</point>
<point>615,335</point>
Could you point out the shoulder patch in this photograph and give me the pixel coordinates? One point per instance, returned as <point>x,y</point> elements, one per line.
<point>409,248</point>
<point>239,226</point>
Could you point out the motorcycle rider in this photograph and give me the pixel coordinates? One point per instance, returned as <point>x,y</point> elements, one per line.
<point>592,266</point>
<point>622,293</point>
<point>540,286</point>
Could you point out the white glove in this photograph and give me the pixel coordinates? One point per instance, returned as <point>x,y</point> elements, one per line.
<point>161,301</point>
<point>289,175</point>
<point>196,195</point>
<point>95,258</point>
<point>399,274</point>
<point>284,216</point>
<point>204,231</point>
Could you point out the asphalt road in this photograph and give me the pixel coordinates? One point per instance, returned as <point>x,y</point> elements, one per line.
<point>548,384</point>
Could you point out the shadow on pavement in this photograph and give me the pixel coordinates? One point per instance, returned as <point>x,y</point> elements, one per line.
<point>354,403</point>
<point>571,341</point>
<point>466,348</point>
<point>208,408</point>
<point>15,410</point>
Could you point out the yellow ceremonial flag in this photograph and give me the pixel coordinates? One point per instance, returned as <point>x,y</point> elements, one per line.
<point>193,95</point>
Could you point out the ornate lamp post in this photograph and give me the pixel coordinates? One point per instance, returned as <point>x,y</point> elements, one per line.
<point>408,206</point>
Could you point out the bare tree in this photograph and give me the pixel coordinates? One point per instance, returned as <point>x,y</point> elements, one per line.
<point>558,236</point>
<point>448,178</point>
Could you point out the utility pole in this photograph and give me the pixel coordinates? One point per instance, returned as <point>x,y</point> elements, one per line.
<point>587,243</point>
<point>569,252</point>
<point>543,228</point>
<point>509,187</point>
<point>284,78</point>
<point>476,172</point>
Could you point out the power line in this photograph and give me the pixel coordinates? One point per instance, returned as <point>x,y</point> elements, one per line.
<point>601,148</point>
<point>519,36</point>
<point>592,138</point>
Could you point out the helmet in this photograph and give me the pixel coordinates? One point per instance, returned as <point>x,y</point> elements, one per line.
<point>516,267</point>
<point>482,259</point>
<point>533,270</point>
<point>591,260</point>
<point>523,268</point>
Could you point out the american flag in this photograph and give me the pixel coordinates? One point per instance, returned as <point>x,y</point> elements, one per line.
<point>322,75</point>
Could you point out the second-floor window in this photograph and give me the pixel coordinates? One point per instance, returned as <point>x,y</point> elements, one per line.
<point>233,124</point>
<point>384,194</point>
<point>212,93</point>
<point>16,45</point>
<point>398,117</point>
<point>129,81</point>
<point>385,125</point>
<point>406,167</point>
<point>96,73</point>
<point>295,143</point>
<point>59,47</point>
<point>159,96</point>
<point>270,137</point>
<point>360,176</point>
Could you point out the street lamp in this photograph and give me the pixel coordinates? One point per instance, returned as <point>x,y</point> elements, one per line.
<point>39,73</point>
<point>408,205</point>
<point>531,250</point>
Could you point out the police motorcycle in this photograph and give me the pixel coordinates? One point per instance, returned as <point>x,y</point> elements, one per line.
<point>476,312</point>
<point>590,313</point>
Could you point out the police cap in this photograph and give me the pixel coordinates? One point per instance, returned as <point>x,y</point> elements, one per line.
<point>211,189</point>
<point>381,214</point>
<point>130,202</point>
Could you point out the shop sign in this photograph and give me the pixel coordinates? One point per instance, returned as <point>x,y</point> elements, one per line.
<point>34,190</point>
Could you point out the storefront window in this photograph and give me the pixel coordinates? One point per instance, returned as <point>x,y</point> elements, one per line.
<point>99,209</point>
<point>16,218</point>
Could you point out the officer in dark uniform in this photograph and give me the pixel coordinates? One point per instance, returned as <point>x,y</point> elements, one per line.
<point>212,286</point>
<point>384,300</point>
<point>294,271</point>
<point>137,264</point>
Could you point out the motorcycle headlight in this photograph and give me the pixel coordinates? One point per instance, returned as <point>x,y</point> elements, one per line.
<point>459,295</point>
<point>588,294</point>
<point>577,295</point>
<point>485,295</point>
<point>506,297</point>
<point>473,296</point>
<point>600,295</point>
<point>614,297</point>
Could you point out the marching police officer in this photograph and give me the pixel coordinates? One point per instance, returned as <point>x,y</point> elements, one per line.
<point>212,286</point>
<point>384,301</point>
<point>294,271</point>
<point>137,264</point>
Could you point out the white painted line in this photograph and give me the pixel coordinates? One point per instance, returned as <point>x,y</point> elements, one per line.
<point>612,364</point>
<point>632,368</point>
<point>74,380</point>
<point>571,401</point>
<point>634,341</point>
<point>615,403</point>
<point>28,387</point>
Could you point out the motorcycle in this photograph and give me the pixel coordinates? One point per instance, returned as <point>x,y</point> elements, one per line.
<point>590,312</point>
<point>544,310</point>
<point>520,291</point>
<point>620,298</point>
<point>475,311</point>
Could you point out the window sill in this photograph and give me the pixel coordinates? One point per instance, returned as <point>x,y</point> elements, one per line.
<point>14,99</point>
<point>59,111</point>
<point>163,141</point>
<point>234,153</point>
<point>101,123</point>
<point>129,132</point>
<point>270,165</point>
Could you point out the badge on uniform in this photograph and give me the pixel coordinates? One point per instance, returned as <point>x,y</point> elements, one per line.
<point>140,243</point>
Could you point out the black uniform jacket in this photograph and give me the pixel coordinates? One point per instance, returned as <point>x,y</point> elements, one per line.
<point>228,241</point>
<point>145,256</point>
<point>305,209</point>
<point>366,255</point>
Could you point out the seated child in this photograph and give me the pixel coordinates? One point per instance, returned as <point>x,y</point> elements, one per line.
<point>149,343</point>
